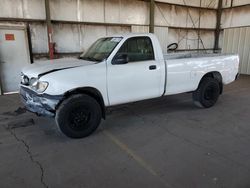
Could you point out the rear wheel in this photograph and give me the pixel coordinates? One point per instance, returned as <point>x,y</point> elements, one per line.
<point>78,116</point>
<point>207,93</point>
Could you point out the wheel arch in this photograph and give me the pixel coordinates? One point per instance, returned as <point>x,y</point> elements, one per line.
<point>216,75</point>
<point>90,91</point>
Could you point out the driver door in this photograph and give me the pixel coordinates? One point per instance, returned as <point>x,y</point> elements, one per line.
<point>139,77</point>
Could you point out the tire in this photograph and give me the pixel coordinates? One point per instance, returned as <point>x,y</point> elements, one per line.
<point>207,93</point>
<point>78,116</point>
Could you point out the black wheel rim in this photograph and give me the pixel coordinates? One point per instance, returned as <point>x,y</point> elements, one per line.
<point>79,118</point>
<point>209,93</point>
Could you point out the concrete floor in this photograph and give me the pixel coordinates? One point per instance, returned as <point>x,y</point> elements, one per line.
<point>165,142</point>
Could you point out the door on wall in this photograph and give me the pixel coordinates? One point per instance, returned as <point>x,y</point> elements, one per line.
<point>14,55</point>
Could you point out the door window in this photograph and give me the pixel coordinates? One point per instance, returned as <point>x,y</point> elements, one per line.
<point>138,49</point>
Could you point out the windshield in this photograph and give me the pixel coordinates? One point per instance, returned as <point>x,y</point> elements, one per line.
<point>101,49</point>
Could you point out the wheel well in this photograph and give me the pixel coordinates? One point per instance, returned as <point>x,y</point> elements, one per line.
<point>92,92</point>
<point>216,75</point>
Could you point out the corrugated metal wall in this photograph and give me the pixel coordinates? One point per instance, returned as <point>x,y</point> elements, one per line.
<point>71,37</point>
<point>160,32</point>
<point>236,17</point>
<point>139,29</point>
<point>75,25</point>
<point>237,40</point>
<point>73,20</point>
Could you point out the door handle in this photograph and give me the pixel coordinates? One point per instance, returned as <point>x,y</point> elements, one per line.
<point>152,67</point>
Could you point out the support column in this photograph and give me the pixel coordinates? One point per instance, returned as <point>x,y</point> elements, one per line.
<point>152,16</point>
<point>218,28</point>
<point>49,30</point>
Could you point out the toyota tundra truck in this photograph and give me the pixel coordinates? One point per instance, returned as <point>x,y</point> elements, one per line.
<point>116,70</point>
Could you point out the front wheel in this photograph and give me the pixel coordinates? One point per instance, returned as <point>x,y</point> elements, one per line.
<point>78,116</point>
<point>207,93</point>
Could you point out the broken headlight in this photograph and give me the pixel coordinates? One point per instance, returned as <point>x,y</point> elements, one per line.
<point>24,79</point>
<point>38,86</point>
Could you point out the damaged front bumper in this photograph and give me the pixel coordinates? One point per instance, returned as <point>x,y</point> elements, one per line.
<point>41,104</point>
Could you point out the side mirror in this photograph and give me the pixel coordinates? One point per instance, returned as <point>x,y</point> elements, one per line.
<point>120,59</point>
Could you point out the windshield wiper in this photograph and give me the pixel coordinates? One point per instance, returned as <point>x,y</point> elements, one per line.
<point>89,58</point>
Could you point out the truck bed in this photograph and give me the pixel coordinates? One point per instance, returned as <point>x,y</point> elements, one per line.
<point>185,70</point>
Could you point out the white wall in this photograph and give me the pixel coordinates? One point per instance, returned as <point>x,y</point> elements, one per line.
<point>77,37</point>
<point>34,9</point>
<point>228,3</point>
<point>39,38</point>
<point>177,16</point>
<point>195,3</point>
<point>108,11</point>
<point>71,37</point>
<point>237,40</point>
<point>236,17</point>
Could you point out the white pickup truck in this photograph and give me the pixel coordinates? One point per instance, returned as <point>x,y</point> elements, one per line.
<point>116,70</point>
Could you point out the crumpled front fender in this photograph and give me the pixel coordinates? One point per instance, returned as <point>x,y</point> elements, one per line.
<point>41,104</point>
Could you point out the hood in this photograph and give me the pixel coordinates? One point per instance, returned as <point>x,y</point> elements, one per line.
<point>41,68</point>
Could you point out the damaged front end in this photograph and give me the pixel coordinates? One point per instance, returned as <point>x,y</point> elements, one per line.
<point>41,104</point>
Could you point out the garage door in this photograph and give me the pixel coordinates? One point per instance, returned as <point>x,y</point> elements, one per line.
<point>14,55</point>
